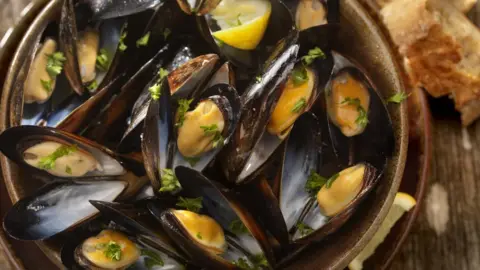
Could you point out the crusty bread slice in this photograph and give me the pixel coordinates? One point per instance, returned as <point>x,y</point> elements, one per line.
<point>441,50</point>
<point>462,5</point>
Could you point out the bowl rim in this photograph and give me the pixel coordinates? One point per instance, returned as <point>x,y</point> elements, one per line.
<point>397,173</point>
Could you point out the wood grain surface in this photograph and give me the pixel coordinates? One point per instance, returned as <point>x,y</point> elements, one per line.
<point>447,232</point>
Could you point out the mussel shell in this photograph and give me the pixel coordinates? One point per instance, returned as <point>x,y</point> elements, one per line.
<point>219,94</point>
<point>158,142</point>
<point>56,207</point>
<point>185,82</point>
<point>219,204</point>
<point>375,145</point>
<point>105,128</point>
<point>224,75</point>
<point>258,103</point>
<point>103,9</point>
<point>199,7</point>
<point>17,139</point>
<point>313,215</point>
<point>136,219</point>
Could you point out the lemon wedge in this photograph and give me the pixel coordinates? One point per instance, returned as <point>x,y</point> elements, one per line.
<point>242,22</point>
<point>402,203</point>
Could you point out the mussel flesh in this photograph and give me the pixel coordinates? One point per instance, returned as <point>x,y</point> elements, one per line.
<point>310,13</point>
<point>108,250</point>
<point>197,7</point>
<point>39,84</point>
<point>87,47</point>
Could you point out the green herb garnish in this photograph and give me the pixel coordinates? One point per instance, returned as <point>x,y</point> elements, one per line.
<point>162,73</point>
<point>48,162</point>
<point>362,118</point>
<point>93,86</point>
<point>183,107</point>
<point>68,169</point>
<point>55,64</point>
<point>238,19</point>
<point>299,75</point>
<point>259,261</point>
<point>199,235</point>
<point>121,43</point>
<point>47,85</point>
<point>166,33</point>
<point>192,160</point>
<point>152,259</point>
<point>398,97</point>
<point>242,264</point>
<point>312,55</point>
<point>237,227</point>
<point>143,41</point>
<point>193,205</point>
<point>102,60</point>
<point>299,105</point>
<point>304,229</point>
<point>155,91</point>
<point>113,251</point>
<point>258,79</point>
<point>331,180</point>
<point>169,181</point>
<point>213,131</point>
<point>314,183</point>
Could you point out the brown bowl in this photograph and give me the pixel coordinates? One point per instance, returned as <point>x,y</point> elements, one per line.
<point>360,39</point>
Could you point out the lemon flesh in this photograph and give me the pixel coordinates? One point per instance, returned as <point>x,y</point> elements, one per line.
<point>242,22</point>
<point>402,203</point>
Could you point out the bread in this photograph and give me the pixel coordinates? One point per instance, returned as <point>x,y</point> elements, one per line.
<point>461,5</point>
<point>440,48</point>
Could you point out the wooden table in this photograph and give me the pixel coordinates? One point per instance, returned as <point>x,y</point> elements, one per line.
<point>447,232</point>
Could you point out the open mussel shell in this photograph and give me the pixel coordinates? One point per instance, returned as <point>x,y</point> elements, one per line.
<point>287,111</point>
<point>258,104</point>
<point>136,219</point>
<point>352,141</point>
<point>224,75</point>
<point>226,212</point>
<point>55,153</point>
<point>58,206</point>
<point>184,82</point>
<point>226,100</point>
<point>105,9</point>
<point>317,20</point>
<point>197,7</point>
<point>252,52</point>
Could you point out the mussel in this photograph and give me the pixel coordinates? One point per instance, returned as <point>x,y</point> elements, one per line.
<point>223,235</point>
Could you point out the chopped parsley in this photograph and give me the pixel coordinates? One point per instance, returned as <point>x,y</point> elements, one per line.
<point>93,86</point>
<point>362,119</point>
<point>121,43</point>
<point>331,180</point>
<point>258,261</point>
<point>258,79</point>
<point>314,183</point>
<point>155,91</point>
<point>47,85</point>
<point>304,229</point>
<point>199,235</point>
<point>162,73</point>
<point>212,130</point>
<point>68,169</point>
<point>143,41</point>
<point>183,107</point>
<point>238,19</point>
<point>102,60</point>
<point>398,97</point>
<point>152,259</point>
<point>299,105</point>
<point>192,160</point>
<point>312,55</point>
<point>193,205</point>
<point>166,33</point>
<point>299,75</point>
<point>55,64</point>
<point>169,181</point>
<point>113,251</point>
<point>237,227</point>
<point>48,162</point>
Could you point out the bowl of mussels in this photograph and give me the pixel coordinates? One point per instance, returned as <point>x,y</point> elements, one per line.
<point>207,134</point>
